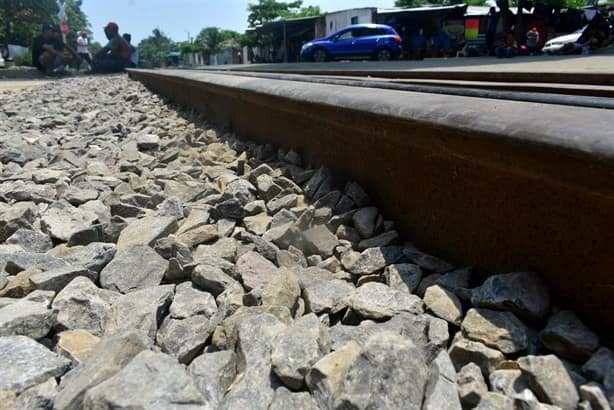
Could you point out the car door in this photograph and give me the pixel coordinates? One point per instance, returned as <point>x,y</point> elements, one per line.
<point>341,44</point>
<point>365,41</point>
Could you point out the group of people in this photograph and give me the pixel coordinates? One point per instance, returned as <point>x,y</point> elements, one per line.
<point>503,44</point>
<point>51,55</point>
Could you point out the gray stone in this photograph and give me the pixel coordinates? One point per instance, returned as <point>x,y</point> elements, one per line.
<point>19,215</point>
<point>257,224</point>
<point>355,192</point>
<point>348,233</point>
<point>320,241</point>
<point>385,357</point>
<point>364,221</point>
<point>594,394</point>
<point>82,305</point>
<point>597,366</point>
<point>241,189</point>
<point>255,335</point>
<point>26,363</point>
<point>426,261</point>
<point>74,344</point>
<point>403,276</point>
<point>284,202</point>
<point>14,263</point>
<point>501,330</point>
<point>146,231</point>
<point>455,280</point>
<point>197,217</point>
<point>142,310</point>
<point>293,257</point>
<point>57,279</point>
<point>443,304</point>
<point>147,142</point>
<point>511,383</point>
<point>378,241</point>
<point>285,399</point>
<point>102,362</point>
<point>31,241</point>
<point>184,339</point>
<point>471,385</point>
<point>326,296</point>
<point>255,207</point>
<point>282,218</point>
<point>189,301</point>
<point>267,188</point>
<point>284,291</point>
<point>198,235</point>
<point>152,381</point>
<point>261,246</point>
<point>315,181</point>
<point>256,271</point>
<point>225,248</point>
<point>465,351</point>
<point>61,220</point>
<point>523,293</point>
<point>495,401</point>
<point>441,390</point>
<point>133,268</point>
<point>26,318</point>
<point>325,378</point>
<point>550,381</point>
<point>297,348</point>
<point>211,279</point>
<point>213,373</point>
<point>94,256</point>
<point>379,301</point>
<point>374,259</point>
<point>40,396</point>
<point>567,336</point>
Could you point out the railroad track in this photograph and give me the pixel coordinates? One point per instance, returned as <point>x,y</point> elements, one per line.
<point>501,175</point>
<point>579,95</point>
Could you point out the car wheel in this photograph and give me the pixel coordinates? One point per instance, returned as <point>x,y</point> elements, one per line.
<point>383,54</point>
<point>320,55</point>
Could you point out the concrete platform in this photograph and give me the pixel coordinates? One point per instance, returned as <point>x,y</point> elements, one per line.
<point>500,185</point>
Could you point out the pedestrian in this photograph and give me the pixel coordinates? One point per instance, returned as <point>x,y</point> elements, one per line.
<point>491,28</point>
<point>115,55</point>
<point>134,57</point>
<point>83,50</point>
<point>49,53</point>
<point>532,41</point>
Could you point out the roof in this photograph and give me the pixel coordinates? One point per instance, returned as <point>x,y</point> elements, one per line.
<point>401,10</point>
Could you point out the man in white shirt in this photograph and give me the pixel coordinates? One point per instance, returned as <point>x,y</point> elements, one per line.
<point>83,50</point>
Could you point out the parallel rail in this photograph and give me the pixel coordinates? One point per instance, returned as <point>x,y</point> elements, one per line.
<point>497,184</point>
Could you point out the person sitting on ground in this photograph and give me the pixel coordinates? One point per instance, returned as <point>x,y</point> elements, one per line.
<point>134,57</point>
<point>49,54</point>
<point>532,41</point>
<point>83,50</point>
<point>505,45</point>
<point>115,56</point>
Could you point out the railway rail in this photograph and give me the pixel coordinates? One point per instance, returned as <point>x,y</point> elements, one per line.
<point>501,175</point>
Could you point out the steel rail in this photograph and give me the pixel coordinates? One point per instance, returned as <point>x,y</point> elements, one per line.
<point>522,96</point>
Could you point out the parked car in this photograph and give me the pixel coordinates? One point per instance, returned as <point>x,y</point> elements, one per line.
<point>375,41</point>
<point>566,44</point>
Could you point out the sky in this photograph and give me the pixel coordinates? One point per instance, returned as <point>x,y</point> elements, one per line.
<point>179,19</point>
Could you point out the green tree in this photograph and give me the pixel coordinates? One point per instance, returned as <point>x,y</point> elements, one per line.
<point>154,49</point>
<point>21,19</point>
<point>77,21</point>
<point>309,11</point>
<point>213,39</point>
<point>268,10</point>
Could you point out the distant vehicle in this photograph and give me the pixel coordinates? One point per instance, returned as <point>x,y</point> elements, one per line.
<point>567,44</point>
<point>373,41</point>
<point>596,34</point>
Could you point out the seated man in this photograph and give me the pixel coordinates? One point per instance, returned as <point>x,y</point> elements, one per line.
<point>505,45</point>
<point>115,56</point>
<point>48,52</point>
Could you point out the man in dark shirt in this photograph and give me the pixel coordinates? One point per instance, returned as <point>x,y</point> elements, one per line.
<point>48,50</point>
<point>115,56</point>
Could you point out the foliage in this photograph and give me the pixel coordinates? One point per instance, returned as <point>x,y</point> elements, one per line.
<point>24,59</point>
<point>154,49</point>
<point>514,3</point>
<point>268,10</point>
<point>187,47</point>
<point>95,47</point>
<point>309,11</point>
<point>21,20</point>
<point>213,39</point>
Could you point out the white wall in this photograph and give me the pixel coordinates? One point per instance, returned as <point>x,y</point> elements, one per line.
<point>339,19</point>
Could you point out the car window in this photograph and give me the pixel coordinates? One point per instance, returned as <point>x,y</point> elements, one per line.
<point>345,35</point>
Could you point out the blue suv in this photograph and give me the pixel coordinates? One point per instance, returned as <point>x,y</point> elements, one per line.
<point>375,41</point>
